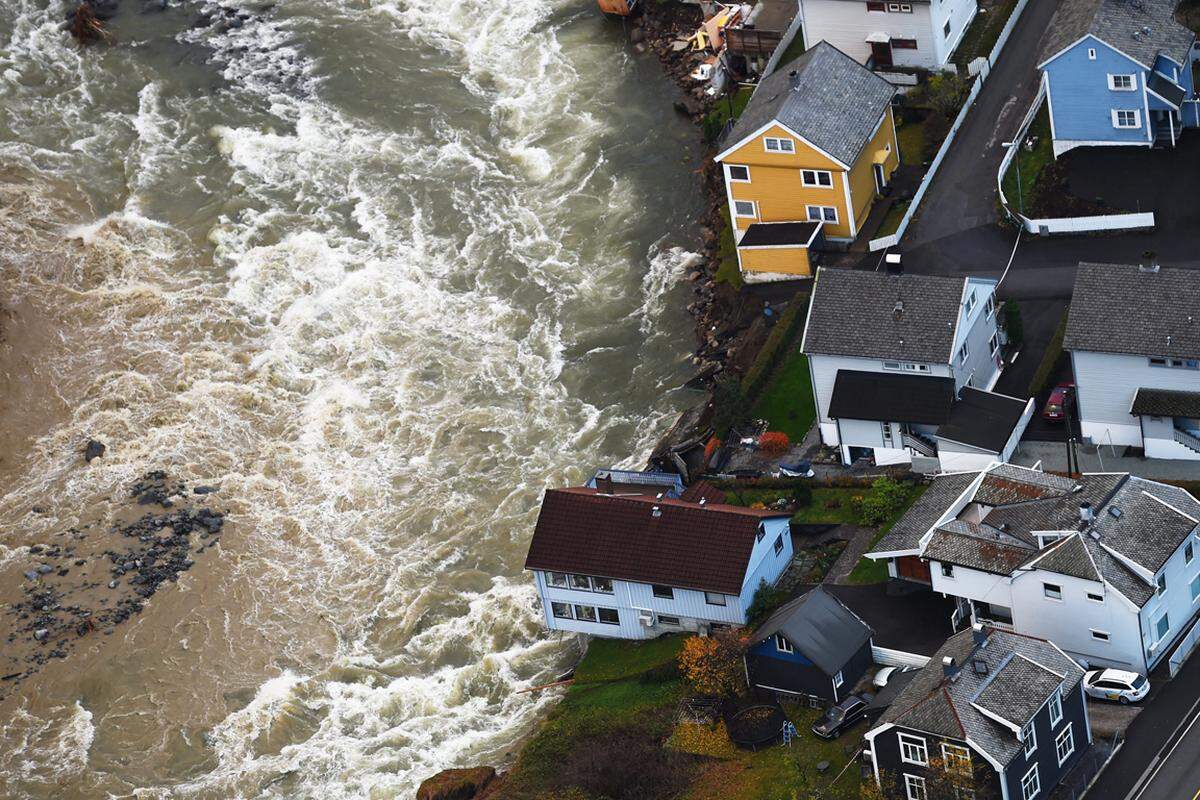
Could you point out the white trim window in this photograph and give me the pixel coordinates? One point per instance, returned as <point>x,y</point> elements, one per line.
<point>820,178</point>
<point>1091,54</point>
<point>956,758</point>
<point>899,8</point>
<point>737,173</point>
<point>556,579</point>
<point>746,209</point>
<point>914,787</point>
<point>913,749</point>
<point>1161,585</point>
<point>989,308</point>
<point>1056,713</point>
<point>994,344</point>
<point>964,353</point>
<point>905,366</point>
<point>775,144</point>
<point>1031,784</point>
<point>561,610</point>
<point>1189,553</point>
<point>1095,598</point>
<point>714,598</point>
<point>1064,745</point>
<point>838,680</point>
<point>1052,591</point>
<point>947,570</point>
<point>778,546</point>
<point>1122,83</point>
<point>1126,118</point>
<point>1029,738</point>
<point>783,645</point>
<point>1099,636</point>
<point>1162,627</point>
<point>971,303</point>
<point>1195,587</point>
<point>822,214</point>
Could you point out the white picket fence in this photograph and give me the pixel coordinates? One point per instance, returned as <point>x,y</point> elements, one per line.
<point>893,239</point>
<point>897,658</point>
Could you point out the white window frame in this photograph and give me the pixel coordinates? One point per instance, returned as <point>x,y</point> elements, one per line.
<point>958,756</point>
<point>554,613</point>
<point>1029,738</point>
<point>668,619</point>
<point>1116,119</point>
<point>1091,54</point>
<point>1031,789</point>
<point>947,570</point>
<point>1099,635</point>
<point>1047,588</point>
<point>708,598</point>
<point>964,353</point>
<point>782,144</point>
<point>580,617</point>
<point>753,210</point>
<point>994,343</point>
<point>1056,712</point>
<point>816,178</point>
<point>602,621</point>
<point>1165,616</point>
<point>565,583</point>
<point>729,176</point>
<point>1160,584</point>
<point>1189,552</point>
<point>914,787</point>
<point>971,300</point>
<point>919,749</point>
<point>1068,734</point>
<point>1195,588</point>
<point>783,645</point>
<point>1095,598</point>
<point>654,587</point>
<point>989,308</point>
<point>778,546</point>
<point>821,214</point>
<point>838,680</point>
<point>1113,83</point>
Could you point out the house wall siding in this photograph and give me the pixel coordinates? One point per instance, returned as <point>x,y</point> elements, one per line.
<point>824,371</point>
<point>846,24</point>
<point>1046,756</point>
<point>862,175</point>
<point>976,330</point>
<point>1177,602</point>
<point>775,260</point>
<point>1081,102</point>
<point>887,758</point>
<point>1107,383</point>
<point>765,564</point>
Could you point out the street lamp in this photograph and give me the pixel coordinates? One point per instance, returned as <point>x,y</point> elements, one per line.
<point>1017,159</point>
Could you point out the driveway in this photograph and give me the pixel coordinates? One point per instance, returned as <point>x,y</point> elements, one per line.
<point>914,620</point>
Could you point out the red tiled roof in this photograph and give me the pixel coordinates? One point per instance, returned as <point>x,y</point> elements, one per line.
<point>688,545</point>
<point>703,490</point>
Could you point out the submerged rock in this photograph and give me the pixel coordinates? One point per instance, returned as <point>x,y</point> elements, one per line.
<point>93,450</point>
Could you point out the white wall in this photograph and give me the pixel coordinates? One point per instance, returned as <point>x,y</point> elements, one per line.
<point>959,13</point>
<point>957,457</point>
<point>1107,384</point>
<point>976,329</point>
<point>974,584</point>
<point>764,563</point>
<point>1176,601</point>
<point>846,24</point>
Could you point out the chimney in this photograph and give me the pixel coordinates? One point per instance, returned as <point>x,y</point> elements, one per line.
<point>979,635</point>
<point>656,512</point>
<point>950,668</point>
<point>1085,513</point>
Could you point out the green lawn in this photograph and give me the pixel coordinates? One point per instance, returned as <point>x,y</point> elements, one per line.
<point>735,103</point>
<point>613,659</point>
<point>985,30</point>
<point>795,48</point>
<point>911,139</point>
<point>891,221</point>
<point>787,402</point>
<point>829,506</point>
<point>728,271</point>
<point>870,571</point>
<point>1031,163</point>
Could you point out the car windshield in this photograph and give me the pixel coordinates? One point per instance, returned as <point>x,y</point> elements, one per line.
<point>836,714</point>
<point>1139,681</point>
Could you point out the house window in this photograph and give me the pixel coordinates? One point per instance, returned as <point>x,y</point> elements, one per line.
<point>1177,363</point>
<point>1052,590</point>
<point>779,544</point>
<point>913,749</point>
<point>1157,362</point>
<point>1188,553</point>
<point>581,583</point>
<point>1195,586</point>
<point>609,616</point>
<point>946,30</point>
<point>558,579</point>
<point>1030,785</point>
<point>758,536</point>
<point>989,308</point>
<point>905,366</point>
<point>714,598</point>
<point>947,570</point>
<point>663,619</point>
<point>1091,54</point>
<point>963,353</point>
<point>816,177</point>
<point>994,343</point>
<point>1161,584</point>
<point>876,6</point>
<point>971,303</point>
<point>1029,738</point>
<point>837,680</point>
<point>782,644</point>
<point>776,145</point>
<point>1064,745</point>
<point>957,759</point>
<point>904,44</point>
<point>1126,118</point>
<point>561,610</point>
<point>899,8</point>
<point>1163,626</point>
<point>823,214</point>
<point>914,787</point>
<point>1095,598</point>
<point>1056,708</point>
<point>1121,83</point>
<point>744,208</point>
<point>1100,636</point>
<point>663,592</point>
<point>738,173</point>
<point>602,585</point>
<point>585,613</point>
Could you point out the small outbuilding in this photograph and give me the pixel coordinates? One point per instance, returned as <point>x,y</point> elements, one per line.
<point>813,647</point>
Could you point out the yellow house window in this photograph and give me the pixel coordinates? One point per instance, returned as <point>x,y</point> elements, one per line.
<point>816,177</point>
<point>738,173</point>
<point>775,145</point>
<point>744,208</point>
<point>823,214</point>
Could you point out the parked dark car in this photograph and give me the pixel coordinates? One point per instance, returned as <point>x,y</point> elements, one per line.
<point>1056,406</point>
<point>838,718</point>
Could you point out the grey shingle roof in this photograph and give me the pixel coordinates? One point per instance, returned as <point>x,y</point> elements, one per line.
<point>1122,309</point>
<point>854,313</point>
<point>907,532</point>
<point>978,547</point>
<point>1166,403</point>
<point>819,626</point>
<point>1068,556</point>
<point>1121,24</point>
<point>935,705</point>
<point>832,101</point>
<point>982,419</point>
<point>1018,689</point>
<point>1148,531</point>
<point>1119,576</point>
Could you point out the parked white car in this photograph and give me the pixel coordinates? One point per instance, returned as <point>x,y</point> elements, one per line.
<point>1115,684</point>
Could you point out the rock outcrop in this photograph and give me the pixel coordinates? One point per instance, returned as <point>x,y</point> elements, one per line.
<point>456,784</point>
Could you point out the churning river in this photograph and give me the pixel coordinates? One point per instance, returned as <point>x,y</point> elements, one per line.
<point>382,270</point>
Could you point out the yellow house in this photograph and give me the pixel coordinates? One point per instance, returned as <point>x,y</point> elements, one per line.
<point>816,144</point>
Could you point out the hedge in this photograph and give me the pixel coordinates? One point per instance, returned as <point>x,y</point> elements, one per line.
<point>845,482</point>
<point>785,330</point>
<point>1054,351</point>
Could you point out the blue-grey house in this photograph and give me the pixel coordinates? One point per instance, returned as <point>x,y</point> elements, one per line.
<point>1118,72</point>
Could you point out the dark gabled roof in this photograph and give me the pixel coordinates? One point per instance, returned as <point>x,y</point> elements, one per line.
<point>768,234</point>
<point>891,397</point>
<point>819,626</point>
<point>1017,690</point>
<point>1124,309</point>
<point>1166,403</point>
<point>982,419</point>
<point>1170,91</point>
<point>1155,519</point>
<point>687,545</point>
<point>980,547</point>
<point>933,704</point>
<point>907,532</point>
<point>879,315</point>
<point>823,95</point>
<point>1142,29</point>
<point>1068,556</point>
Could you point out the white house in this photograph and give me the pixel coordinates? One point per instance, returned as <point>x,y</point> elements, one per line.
<point>1134,337</point>
<point>920,33</point>
<point>634,566</point>
<point>902,367</point>
<point>1104,565</point>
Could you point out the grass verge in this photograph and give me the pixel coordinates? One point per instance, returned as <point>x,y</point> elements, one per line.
<point>871,571</point>
<point>1048,367</point>
<point>787,402</point>
<point>1028,165</point>
<point>983,33</point>
<point>727,270</point>
<point>794,49</point>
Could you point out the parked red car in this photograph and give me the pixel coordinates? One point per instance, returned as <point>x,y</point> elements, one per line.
<point>1055,409</point>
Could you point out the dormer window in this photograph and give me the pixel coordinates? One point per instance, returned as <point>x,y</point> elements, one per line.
<point>782,644</point>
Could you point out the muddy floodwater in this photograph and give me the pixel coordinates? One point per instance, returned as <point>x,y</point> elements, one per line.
<point>341,286</point>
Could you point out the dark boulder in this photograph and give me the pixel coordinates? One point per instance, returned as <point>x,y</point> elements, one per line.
<point>93,450</point>
<point>456,784</point>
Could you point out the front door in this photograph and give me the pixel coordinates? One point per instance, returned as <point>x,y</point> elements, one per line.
<point>881,53</point>
<point>880,178</point>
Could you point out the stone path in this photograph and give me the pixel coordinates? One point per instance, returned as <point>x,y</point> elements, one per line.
<point>859,542</point>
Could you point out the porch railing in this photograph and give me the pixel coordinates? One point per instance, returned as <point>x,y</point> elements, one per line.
<point>1188,440</point>
<point>917,443</point>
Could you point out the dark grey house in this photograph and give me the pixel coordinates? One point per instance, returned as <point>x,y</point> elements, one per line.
<point>812,647</point>
<point>994,715</point>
